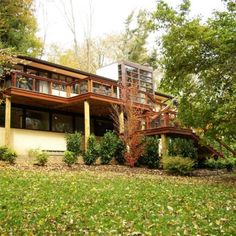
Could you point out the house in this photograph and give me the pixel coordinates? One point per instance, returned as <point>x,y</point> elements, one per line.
<point>43,101</point>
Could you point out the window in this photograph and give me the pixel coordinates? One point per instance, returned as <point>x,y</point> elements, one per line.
<point>17,117</point>
<point>62,123</point>
<point>37,120</point>
<point>102,126</point>
<point>24,82</point>
<point>2,116</point>
<point>79,124</point>
<point>19,68</point>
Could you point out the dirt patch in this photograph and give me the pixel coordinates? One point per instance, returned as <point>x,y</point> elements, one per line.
<point>56,164</point>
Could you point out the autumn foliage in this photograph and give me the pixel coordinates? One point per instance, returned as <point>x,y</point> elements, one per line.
<point>132,124</point>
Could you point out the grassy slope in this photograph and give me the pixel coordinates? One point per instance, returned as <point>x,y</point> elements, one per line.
<point>109,203</point>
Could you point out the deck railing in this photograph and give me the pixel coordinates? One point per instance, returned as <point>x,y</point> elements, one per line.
<point>61,88</point>
<point>164,119</point>
<point>77,87</point>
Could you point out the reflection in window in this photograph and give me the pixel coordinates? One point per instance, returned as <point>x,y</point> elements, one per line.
<point>16,117</point>
<point>62,123</point>
<point>2,116</point>
<point>24,83</point>
<point>37,120</point>
<point>79,124</point>
<point>83,87</point>
<point>102,126</point>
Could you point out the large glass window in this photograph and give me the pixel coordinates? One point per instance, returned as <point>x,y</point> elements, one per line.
<point>102,126</point>
<point>17,117</point>
<point>2,116</point>
<point>24,82</point>
<point>37,120</point>
<point>79,124</point>
<point>62,123</point>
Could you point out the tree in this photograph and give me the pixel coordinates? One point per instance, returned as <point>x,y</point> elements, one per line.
<point>131,137</point>
<point>18,27</point>
<point>199,63</point>
<point>134,39</point>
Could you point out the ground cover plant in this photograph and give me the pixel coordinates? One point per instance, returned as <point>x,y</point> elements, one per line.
<point>105,203</point>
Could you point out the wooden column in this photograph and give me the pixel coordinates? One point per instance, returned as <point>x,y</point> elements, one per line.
<point>86,123</point>
<point>121,122</point>
<point>164,145</point>
<point>8,122</point>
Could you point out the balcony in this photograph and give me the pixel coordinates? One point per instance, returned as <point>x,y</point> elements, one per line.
<point>59,88</point>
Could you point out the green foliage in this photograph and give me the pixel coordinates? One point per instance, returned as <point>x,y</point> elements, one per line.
<point>110,147</point>
<point>178,165</point>
<point>199,62</point>
<point>73,142</point>
<point>120,152</point>
<point>70,158</point>
<point>92,153</point>
<point>41,158</point>
<point>228,163</point>
<point>32,153</point>
<point>18,27</point>
<point>3,149</point>
<point>9,156</point>
<point>182,147</point>
<point>150,156</point>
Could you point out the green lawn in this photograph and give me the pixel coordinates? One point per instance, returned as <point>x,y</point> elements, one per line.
<point>96,203</point>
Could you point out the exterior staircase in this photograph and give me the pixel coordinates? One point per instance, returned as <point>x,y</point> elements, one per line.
<point>164,122</point>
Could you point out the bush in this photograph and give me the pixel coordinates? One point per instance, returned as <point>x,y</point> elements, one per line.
<point>110,147</point>
<point>151,153</point>
<point>178,165</point>
<point>120,151</point>
<point>70,158</point>
<point>228,163</point>
<point>3,149</point>
<point>90,156</point>
<point>182,147</point>
<point>73,142</point>
<point>32,153</point>
<point>41,158</point>
<point>9,155</point>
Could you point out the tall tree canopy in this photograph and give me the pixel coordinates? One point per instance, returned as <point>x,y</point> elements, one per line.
<point>18,27</point>
<point>199,60</point>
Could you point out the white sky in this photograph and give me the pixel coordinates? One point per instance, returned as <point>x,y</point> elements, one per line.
<point>108,16</point>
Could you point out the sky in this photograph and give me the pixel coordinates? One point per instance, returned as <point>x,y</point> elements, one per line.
<point>108,16</point>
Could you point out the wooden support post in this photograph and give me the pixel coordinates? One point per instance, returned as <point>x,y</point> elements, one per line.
<point>86,123</point>
<point>121,122</point>
<point>8,122</point>
<point>89,85</point>
<point>164,145</point>
<point>14,79</point>
<point>68,90</point>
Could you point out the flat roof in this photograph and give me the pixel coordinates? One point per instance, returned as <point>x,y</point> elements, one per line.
<point>130,63</point>
<point>66,68</point>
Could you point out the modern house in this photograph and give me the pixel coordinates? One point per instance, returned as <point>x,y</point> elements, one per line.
<point>43,101</point>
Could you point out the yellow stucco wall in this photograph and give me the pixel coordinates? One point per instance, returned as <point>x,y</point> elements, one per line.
<point>23,140</point>
<point>2,136</point>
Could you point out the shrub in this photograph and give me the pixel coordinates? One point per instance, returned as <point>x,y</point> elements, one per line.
<point>41,158</point>
<point>120,151</point>
<point>182,147</point>
<point>151,153</point>
<point>9,155</point>
<point>32,153</point>
<point>90,156</point>
<point>73,142</point>
<point>3,149</point>
<point>178,165</point>
<point>70,158</point>
<point>109,147</point>
<point>228,163</point>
